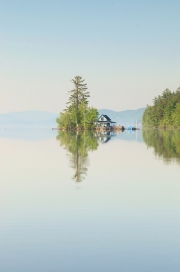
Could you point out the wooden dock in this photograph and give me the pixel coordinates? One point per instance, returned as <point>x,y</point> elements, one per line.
<point>113,128</point>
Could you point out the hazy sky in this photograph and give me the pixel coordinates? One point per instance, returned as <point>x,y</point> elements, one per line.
<point>127,51</point>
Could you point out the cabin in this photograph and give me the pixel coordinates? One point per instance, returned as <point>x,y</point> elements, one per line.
<point>104,121</point>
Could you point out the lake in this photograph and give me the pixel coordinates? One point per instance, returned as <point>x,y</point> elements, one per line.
<point>89,202</point>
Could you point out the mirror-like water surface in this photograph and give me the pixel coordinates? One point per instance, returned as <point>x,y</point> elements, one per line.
<point>89,202</point>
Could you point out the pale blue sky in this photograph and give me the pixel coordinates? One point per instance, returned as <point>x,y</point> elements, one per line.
<point>127,51</point>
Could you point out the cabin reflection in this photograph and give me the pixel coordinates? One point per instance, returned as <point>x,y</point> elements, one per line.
<point>104,136</point>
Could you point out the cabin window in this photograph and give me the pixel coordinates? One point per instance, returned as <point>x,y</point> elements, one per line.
<point>102,118</point>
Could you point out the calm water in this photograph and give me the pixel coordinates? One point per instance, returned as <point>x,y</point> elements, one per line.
<point>89,202</point>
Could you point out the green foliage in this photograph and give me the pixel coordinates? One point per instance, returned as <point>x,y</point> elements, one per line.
<point>64,120</point>
<point>78,144</point>
<point>176,115</point>
<point>166,143</point>
<point>165,112</point>
<point>78,115</point>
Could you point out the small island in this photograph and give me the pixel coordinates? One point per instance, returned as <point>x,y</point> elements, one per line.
<point>79,116</point>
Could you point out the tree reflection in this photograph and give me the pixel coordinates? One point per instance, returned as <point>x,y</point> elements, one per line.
<point>166,144</point>
<point>78,144</point>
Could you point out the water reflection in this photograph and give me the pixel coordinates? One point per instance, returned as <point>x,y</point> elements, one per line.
<point>104,136</point>
<point>78,144</point>
<point>166,144</point>
<point>27,134</point>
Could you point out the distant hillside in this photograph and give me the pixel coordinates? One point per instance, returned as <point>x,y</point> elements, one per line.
<point>48,119</point>
<point>28,118</point>
<point>127,117</point>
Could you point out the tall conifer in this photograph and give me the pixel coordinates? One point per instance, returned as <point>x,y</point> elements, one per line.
<point>77,113</point>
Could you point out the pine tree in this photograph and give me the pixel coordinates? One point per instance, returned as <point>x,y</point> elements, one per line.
<point>165,112</point>
<point>78,96</point>
<point>77,113</point>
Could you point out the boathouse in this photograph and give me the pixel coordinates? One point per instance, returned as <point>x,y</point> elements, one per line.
<point>104,121</point>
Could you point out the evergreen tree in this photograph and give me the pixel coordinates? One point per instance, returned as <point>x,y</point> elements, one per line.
<point>165,112</point>
<point>77,113</point>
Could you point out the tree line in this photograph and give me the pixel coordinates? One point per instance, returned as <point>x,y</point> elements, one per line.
<point>78,115</point>
<point>165,111</point>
